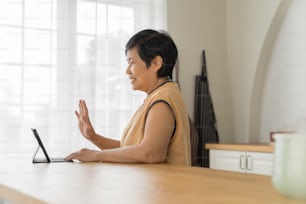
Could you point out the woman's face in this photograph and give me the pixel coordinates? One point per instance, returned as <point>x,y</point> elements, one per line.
<point>142,78</point>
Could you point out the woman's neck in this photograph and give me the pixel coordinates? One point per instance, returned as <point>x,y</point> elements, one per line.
<point>159,83</point>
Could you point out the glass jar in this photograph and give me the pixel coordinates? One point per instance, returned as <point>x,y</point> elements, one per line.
<point>289,165</point>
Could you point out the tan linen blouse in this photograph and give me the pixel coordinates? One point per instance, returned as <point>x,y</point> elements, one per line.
<point>179,146</point>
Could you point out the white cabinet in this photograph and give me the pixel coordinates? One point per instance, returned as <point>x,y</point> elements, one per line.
<point>241,161</point>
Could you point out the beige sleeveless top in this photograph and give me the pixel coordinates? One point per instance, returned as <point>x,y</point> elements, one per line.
<point>179,146</point>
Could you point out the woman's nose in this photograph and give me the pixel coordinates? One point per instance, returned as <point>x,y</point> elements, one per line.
<point>128,70</point>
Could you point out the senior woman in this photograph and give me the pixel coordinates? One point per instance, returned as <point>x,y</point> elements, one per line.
<point>159,130</point>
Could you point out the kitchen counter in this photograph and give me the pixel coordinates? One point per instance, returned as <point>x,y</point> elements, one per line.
<point>262,147</point>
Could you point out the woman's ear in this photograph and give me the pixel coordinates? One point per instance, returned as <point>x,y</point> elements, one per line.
<point>157,62</point>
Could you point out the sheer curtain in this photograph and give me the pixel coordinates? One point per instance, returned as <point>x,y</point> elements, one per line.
<point>53,53</point>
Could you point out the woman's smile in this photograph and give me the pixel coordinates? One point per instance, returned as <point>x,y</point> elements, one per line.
<point>132,79</point>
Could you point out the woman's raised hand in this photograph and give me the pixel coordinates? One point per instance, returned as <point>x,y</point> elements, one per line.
<point>83,121</point>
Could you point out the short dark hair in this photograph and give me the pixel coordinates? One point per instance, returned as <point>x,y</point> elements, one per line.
<point>152,43</point>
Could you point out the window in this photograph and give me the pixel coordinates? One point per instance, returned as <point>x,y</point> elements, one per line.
<point>54,53</point>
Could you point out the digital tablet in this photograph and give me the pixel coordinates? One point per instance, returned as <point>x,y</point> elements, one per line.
<point>47,159</point>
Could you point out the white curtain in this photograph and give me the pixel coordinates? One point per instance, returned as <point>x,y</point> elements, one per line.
<point>53,53</point>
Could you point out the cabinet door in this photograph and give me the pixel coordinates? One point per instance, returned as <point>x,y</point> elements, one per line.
<point>259,163</point>
<point>227,160</point>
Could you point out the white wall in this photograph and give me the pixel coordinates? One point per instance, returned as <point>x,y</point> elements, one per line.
<point>196,25</point>
<point>283,101</point>
<point>232,32</point>
<point>248,23</point>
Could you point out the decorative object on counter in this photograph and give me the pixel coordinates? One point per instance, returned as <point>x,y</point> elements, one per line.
<point>289,167</point>
<point>273,133</point>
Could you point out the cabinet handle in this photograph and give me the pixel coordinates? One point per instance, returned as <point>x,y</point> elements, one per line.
<point>249,162</point>
<point>241,162</point>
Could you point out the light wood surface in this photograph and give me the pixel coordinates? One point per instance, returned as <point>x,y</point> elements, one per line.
<point>94,183</point>
<point>242,147</point>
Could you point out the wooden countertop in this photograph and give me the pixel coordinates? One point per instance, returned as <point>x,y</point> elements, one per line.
<point>92,183</point>
<point>264,147</point>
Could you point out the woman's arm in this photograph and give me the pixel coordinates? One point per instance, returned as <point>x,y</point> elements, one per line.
<point>153,149</point>
<point>105,143</point>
